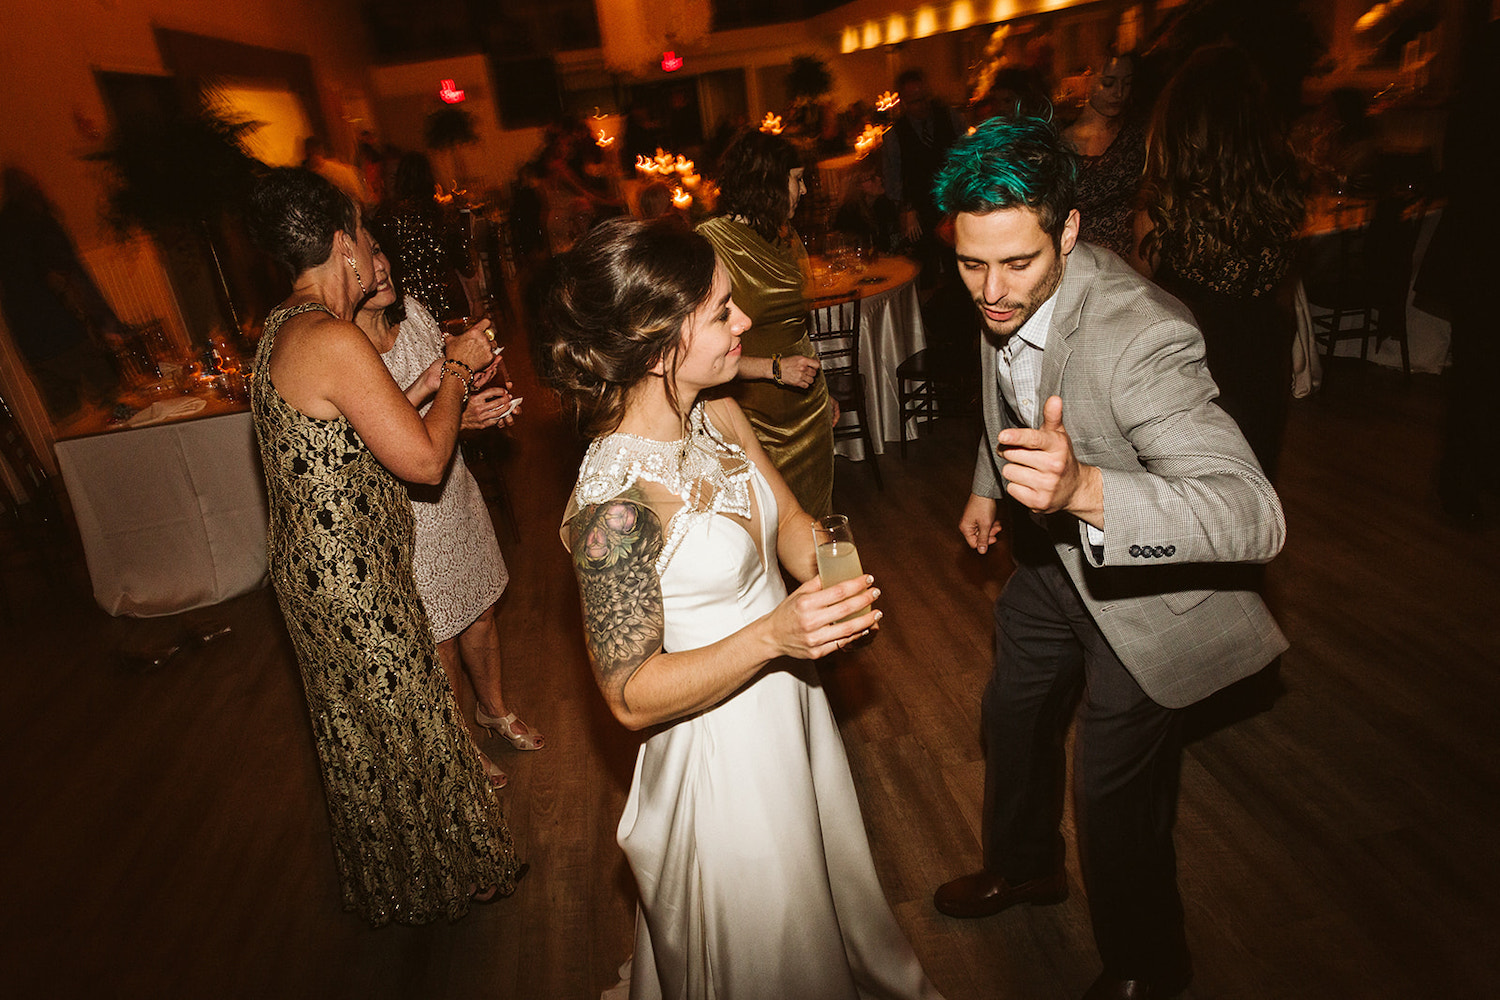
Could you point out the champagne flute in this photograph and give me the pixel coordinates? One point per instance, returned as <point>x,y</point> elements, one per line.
<point>838,560</point>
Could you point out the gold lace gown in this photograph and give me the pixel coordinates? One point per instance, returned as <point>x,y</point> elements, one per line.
<point>415,823</point>
<point>794,425</point>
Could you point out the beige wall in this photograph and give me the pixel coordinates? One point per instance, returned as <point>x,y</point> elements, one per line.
<point>404,95</point>
<point>52,114</point>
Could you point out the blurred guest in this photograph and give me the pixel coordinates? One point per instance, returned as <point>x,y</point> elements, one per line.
<point>58,319</point>
<point>417,236</point>
<point>781,386</point>
<point>1014,91</point>
<point>1111,143</point>
<point>742,827</point>
<point>655,200</point>
<point>574,199</point>
<point>369,158</point>
<point>418,832</point>
<point>1221,210</point>
<point>642,136</point>
<point>456,559</point>
<point>341,175</point>
<point>1340,143</point>
<point>867,215</point>
<point>912,151</point>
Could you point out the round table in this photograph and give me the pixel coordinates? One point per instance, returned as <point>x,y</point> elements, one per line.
<point>892,331</point>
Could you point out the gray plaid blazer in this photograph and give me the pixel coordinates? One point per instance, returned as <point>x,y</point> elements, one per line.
<point>1186,506</point>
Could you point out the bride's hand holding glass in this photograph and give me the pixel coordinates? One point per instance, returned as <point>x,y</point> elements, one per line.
<point>808,625</point>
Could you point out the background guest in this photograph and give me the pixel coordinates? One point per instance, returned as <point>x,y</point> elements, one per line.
<point>456,559</point>
<point>1111,144</point>
<point>417,831</point>
<point>867,214</point>
<point>1221,211</point>
<point>416,233</point>
<point>911,152</point>
<point>781,386</point>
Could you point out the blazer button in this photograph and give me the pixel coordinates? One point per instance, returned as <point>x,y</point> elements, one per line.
<point>1135,550</point>
<point>1171,550</point>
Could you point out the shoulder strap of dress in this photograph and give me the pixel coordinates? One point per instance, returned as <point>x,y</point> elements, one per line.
<point>276,317</point>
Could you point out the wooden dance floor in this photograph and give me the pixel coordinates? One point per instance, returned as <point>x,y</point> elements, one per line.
<point>165,833</point>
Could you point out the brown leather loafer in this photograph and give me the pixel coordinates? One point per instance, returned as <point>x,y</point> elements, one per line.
<point>985,894</point>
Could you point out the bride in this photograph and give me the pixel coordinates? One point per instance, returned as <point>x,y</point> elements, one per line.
<point>742,827</point>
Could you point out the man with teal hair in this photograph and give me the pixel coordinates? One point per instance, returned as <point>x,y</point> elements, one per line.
<point>1133,527</point>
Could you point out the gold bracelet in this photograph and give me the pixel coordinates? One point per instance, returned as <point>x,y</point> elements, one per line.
<point>776,369</point>
<point>468,383</point>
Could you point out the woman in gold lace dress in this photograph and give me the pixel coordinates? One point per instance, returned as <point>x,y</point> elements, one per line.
<point>417,831</point>
<point>780,387</point>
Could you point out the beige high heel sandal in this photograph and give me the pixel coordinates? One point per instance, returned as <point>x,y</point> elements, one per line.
<point>504,727</point>
<point>498,778</point>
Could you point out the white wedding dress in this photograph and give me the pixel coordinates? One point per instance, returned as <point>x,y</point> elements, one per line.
<point>742,826</point>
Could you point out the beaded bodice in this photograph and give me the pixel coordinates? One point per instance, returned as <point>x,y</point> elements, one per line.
<point>702,475</point>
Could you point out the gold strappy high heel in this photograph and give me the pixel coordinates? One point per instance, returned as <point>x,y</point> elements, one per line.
<point>505,727</point>
<point>498,778</point>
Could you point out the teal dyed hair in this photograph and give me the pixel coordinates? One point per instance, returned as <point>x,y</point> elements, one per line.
<point>1021,162</point>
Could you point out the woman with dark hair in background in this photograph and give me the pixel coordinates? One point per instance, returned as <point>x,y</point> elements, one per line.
<point>1110,142</point>
<point>781,386</point>
<point>418,832</point>
<point>456,560</point>
<point>1221,206</point>
<point>742,826</point>
<point>416,237</point>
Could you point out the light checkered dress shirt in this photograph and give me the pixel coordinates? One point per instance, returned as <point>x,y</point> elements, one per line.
<point>1018,369</point>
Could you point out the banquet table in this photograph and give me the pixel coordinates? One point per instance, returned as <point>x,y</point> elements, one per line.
<point>172,514</point>
<point>891,331</point>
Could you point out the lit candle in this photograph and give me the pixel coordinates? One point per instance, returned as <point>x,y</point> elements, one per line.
<point>771,123</point>
<point>680,198</point>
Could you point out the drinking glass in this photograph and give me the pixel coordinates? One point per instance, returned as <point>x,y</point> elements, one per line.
<point>838,560</point>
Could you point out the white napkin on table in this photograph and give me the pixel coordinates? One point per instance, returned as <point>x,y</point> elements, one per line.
<point>167,409</point>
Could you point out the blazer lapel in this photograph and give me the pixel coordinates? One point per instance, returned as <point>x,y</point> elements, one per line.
<point>1077,277</point>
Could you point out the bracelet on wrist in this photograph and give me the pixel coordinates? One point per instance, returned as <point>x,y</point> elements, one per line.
<point>465,380</point>
<point>776,369</point>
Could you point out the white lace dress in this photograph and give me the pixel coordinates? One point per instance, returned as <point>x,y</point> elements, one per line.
<point>742,826</point>
<point>456,559</point>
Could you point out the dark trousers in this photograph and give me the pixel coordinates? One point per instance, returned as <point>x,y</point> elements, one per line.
<point>1126,764</point>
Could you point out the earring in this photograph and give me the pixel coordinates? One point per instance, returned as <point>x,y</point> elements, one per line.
<point>355,268</point>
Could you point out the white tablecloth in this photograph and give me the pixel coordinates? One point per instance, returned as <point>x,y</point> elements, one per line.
<point>173,517</point>
<point>891,331</point>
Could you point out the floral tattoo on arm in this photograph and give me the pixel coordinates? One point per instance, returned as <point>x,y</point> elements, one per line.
<point>615,547</point>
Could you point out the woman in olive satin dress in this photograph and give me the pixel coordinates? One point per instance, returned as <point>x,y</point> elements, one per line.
<point>780,385</point>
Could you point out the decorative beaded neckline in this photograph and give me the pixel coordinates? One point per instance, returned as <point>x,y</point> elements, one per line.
<point>708,473</point>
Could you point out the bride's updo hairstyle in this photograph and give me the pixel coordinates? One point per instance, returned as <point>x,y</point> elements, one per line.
<point>616,308</point>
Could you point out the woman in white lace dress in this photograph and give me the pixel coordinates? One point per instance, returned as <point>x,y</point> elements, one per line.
<point>742,827</point>
<point>457,563</point>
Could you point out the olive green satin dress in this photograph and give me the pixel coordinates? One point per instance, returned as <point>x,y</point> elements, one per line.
<point>794,425</point>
